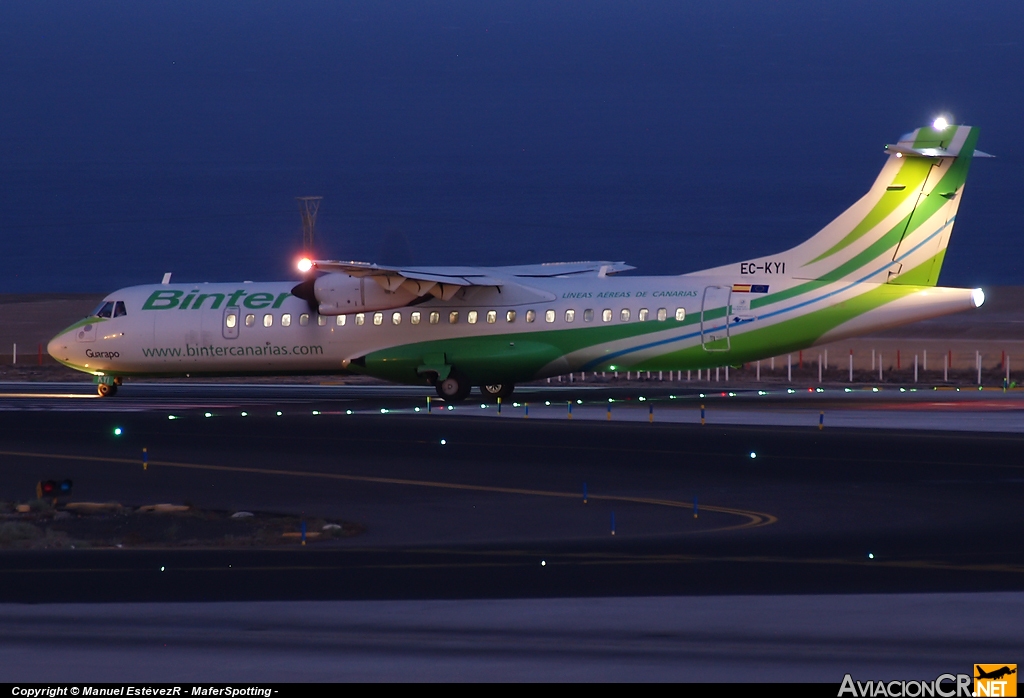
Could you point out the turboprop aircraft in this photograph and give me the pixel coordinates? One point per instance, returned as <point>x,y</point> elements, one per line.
<point>873,267</point>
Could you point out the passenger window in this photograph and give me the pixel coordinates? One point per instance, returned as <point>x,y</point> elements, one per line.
<point>435,317</point>
<point>286,320</point>
<point>230,320</point>
<point>304,319</point>
<point>471,317</point>
<point>268,320</point>
<point>250,320</point>
<point>606,315</point>
<point>453,317</point>
<point>340,321</point>
<point>570,315</point>
<point>396,318</point>
<point>680,314</point>
<point>624,315</point>
<point>106,310</point>
<point>378,318</point>
<point>549,316</point>
<point>119,309</point>
<point>510,316</point>
<point>415,317</point>
<point>492,316</point>
<point>662,315</point>
<point>530,316</point>
<point>643,315</point>
<point>360,318</point>
<point>588,315</point>
<point>321,320</point>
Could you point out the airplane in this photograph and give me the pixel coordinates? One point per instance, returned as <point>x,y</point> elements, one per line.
<point>873,267</point>
<point>995,673</point>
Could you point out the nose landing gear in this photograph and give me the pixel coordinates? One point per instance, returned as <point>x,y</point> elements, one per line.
<point>106,386</point>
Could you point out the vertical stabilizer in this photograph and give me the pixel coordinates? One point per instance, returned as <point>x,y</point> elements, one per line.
<point>898,231</point>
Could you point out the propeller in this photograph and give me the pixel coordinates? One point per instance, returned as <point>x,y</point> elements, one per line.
<point>306,292</point>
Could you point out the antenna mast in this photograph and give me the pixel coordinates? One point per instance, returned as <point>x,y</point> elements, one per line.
<point>308,207</point>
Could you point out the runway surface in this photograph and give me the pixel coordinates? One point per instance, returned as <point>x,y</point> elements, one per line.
<point>488,514</point>
<point>707,639</point>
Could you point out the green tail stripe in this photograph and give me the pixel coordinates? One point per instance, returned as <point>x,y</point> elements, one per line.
<point>912,173</point>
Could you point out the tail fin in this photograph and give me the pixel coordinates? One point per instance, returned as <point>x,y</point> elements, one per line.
<point>897,232</point>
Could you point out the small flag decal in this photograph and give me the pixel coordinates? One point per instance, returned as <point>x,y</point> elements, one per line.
<point>750,288</point>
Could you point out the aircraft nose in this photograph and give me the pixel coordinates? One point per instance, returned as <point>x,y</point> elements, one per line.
<point>56,347</point>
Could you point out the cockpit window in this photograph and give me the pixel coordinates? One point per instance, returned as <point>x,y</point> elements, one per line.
<point>104,310</point>
<point>119,309</point>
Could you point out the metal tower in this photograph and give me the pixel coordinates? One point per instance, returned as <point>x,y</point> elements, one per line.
<point>308,206</point>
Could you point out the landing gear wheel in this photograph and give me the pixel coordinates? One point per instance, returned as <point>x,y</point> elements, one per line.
<point>497,390</point>
<point>105,390</point>
<point>454,388</point>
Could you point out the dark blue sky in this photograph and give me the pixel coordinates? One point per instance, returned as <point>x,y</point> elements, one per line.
<point>138,138</point>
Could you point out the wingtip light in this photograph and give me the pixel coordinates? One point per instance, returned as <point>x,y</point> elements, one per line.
<point>305,264</point>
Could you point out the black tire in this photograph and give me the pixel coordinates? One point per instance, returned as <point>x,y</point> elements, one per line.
<point>454,388</point>
<point>496,390</point>
<point>105,390</point>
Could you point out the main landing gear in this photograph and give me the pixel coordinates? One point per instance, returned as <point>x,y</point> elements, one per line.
<point>455,388</point>
<point>497,390</point>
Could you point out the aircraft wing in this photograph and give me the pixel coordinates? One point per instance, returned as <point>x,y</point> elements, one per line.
<point>459,276</point>
<point>564,269</point>
<point>447,280</point>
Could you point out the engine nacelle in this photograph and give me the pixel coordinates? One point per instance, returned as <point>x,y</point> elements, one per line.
<point>340,294</point>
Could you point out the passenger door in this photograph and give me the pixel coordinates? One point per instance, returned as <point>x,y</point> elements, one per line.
<point>715,311</point>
